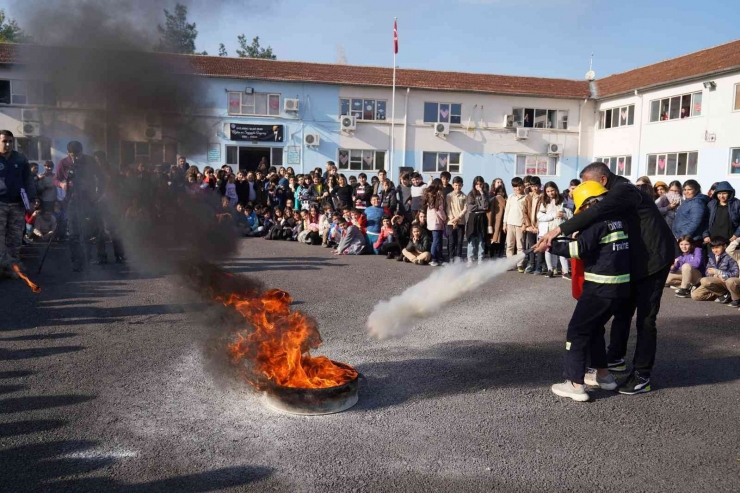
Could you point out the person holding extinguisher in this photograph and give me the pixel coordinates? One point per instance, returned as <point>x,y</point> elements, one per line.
<point>604,249</point>
<point>652,252</point>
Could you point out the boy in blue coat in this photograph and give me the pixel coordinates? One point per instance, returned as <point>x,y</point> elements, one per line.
<point>721,283</point>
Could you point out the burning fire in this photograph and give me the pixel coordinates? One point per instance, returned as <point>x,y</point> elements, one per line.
<point>34,287</point>
<point>279,346</point>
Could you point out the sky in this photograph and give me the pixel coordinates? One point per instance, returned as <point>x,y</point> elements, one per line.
<point>546,38</point>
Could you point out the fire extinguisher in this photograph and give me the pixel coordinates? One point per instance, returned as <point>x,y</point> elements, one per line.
<point>578,276</point>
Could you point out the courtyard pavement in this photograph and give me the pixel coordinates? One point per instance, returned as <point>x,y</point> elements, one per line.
<point>105,386</point>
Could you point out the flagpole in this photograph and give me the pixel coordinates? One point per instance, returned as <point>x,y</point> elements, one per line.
<point>393,96</point>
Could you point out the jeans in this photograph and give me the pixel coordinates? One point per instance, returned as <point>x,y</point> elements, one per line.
<point>437,245</point>
<point>455,236</point>
<point>475,247</point>
<point>645,299</point>
<point>533,260</point>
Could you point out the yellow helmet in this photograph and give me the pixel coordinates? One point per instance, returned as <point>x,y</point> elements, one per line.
<point>585,191</point>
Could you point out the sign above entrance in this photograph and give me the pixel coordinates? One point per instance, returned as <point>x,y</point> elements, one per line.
<point>261,133</point>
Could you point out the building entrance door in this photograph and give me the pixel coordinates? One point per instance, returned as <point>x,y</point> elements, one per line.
<point>249,157</point>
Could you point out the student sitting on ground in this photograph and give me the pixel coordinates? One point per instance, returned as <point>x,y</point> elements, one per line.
<point>418,249</point>
<point>353,239</point>
<point>686,271</point>
<point>400,238</point>
<point>44,225</point>
<point>253,227</point>
<point>721,282</point>
<point>385,236</point>
<point>374,215</point>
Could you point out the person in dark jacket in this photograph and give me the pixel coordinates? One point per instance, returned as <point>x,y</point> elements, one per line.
<point>15,175</point>
<point>418,250</point>
<point>692,216</point>
<point>653,250</point>
<point>724,214</point>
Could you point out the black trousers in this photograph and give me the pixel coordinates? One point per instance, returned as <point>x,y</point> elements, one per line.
<point>455,238</point>
<point>390,247</point>
<point>645,300</point>
<point>533,260</point>
<point>586,334</point>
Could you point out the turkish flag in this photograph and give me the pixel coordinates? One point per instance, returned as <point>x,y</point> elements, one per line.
<point>395,36</point>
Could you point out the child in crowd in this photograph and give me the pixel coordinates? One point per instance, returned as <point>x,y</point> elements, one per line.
<point>721,282</point>
<point>274,199</point>
<point>686,271</point>
<point>362,192</point>
<point>44,225</point>
<point>417,192</point>
<point>252,227</point>
<point>434,203</point>
<point>297,225</point>
<point>476,222</point>
<point>333,235</point>
<point>388,197</point>
<point>417,249</point>
<point>352,241</point>
<point>30,218</point>
<point>456,211</point>
<point>552,213</point>
<point>604,248</point>
<point>530,224</point>
<point>311,226</point>
<point>385,236</point>
<point>272,233</point>
<point>359,219</point>
<point>398,240</point>
<point>231,191</point>
<point>403,193</point>
<point>306,193</point>
<point>513,220</point>
<point>267,221</point>
<point>374,215</point>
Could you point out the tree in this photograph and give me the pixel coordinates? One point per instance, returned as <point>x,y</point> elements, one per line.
<point>10,32</point>
<point>254,50</point>
<point>177,36</point>
<point>222,50</point>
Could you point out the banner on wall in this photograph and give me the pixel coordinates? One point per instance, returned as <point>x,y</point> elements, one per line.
<point>260,133</point>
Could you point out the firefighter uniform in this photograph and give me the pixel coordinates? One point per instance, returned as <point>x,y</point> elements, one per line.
<point>604,249</point>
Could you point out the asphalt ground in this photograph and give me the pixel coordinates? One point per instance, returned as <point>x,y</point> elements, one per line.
<point>104,386</point>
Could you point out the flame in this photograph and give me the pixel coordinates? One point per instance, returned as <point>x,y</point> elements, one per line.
<point>278,348</point>
<point>34,287</point>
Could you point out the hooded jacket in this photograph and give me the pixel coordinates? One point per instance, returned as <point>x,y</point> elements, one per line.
<point>652,245</point>
<point>733,206</point>
<point>692,217</point>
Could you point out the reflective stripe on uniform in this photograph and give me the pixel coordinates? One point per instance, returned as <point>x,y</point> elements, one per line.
<point>573,249</point>
<point>612,237</point>
<point>599,279</point>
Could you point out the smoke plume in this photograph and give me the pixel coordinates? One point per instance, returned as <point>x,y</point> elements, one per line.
<point>395,317</point>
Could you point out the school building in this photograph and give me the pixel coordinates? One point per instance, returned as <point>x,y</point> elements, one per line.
<point>675,119</point>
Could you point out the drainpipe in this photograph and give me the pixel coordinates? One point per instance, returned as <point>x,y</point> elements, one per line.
<point>405,124</point>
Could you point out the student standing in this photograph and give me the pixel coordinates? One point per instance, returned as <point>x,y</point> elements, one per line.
<point>513,220</point>
<point>456,210</point>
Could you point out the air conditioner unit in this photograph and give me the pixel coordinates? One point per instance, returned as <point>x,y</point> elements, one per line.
<point>30,115</point>
<point>312,139</point>
<point>31,129</point>
<point>153,133</point>
<point>348,123</point>
<point>290,104</point>
<point>441,129</point>
<point>508,121</point>
<point>522,133</point>
<point>554,149</point>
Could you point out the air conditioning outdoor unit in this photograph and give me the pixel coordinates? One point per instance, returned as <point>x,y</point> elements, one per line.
<point>441,129</point>
<point>312,139</point>
<point>30,115</point>
<point>31,129</point>
<point>290,104</point>
<point>508,121</point>
<point>348,123</point>
<point>153,133</point>
<point>522,133</point>
<point>554,149</point>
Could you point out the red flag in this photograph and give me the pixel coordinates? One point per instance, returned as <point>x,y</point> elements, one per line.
<point>395,36</point>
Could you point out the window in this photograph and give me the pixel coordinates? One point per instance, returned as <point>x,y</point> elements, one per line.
<point>541,165</point>
<point>258,103</point>
<point>363,109</point>
<point>443,113</point>
<point>247,157</point>
<point>26,92</point>
<point>735,161</point>
<point>736,106</point>
<point>34,148</point>
<point>617,117</point>
<point>673,108</point>
<point>672,164</point>
<point>540,118</point>
<point>619,165</point>
<point>148,152</point>
<point>435,162</point>
<point>361,160</point>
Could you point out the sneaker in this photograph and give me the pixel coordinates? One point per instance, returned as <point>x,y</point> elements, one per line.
<point>618,365</point>
<point>567,276</point>
<point>469,263</point>
<point>433,263</point>
<point>675,288</point>
<point>593,379</point>
<point>550,274</point>
<point>567,389</point>
<point>735,304</point>
<point>683,293</point>
<point>389,256</point>
<point>520,270</point>
<point>635,384</point>
<point>529,270</point>
<point>724,299</point>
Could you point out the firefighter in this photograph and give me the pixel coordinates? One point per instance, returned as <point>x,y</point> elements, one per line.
<point>604,249</point>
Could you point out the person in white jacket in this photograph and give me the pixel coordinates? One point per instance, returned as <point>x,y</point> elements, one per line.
<point>552,213</point>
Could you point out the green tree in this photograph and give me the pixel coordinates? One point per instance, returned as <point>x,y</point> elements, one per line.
<point>10,32</point>
<point>177,35</point>
<point>254,50</point>
<point>222,50</point>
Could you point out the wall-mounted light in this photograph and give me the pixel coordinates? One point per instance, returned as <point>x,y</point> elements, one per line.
<point>711,85</point>
<point>248,90</point>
